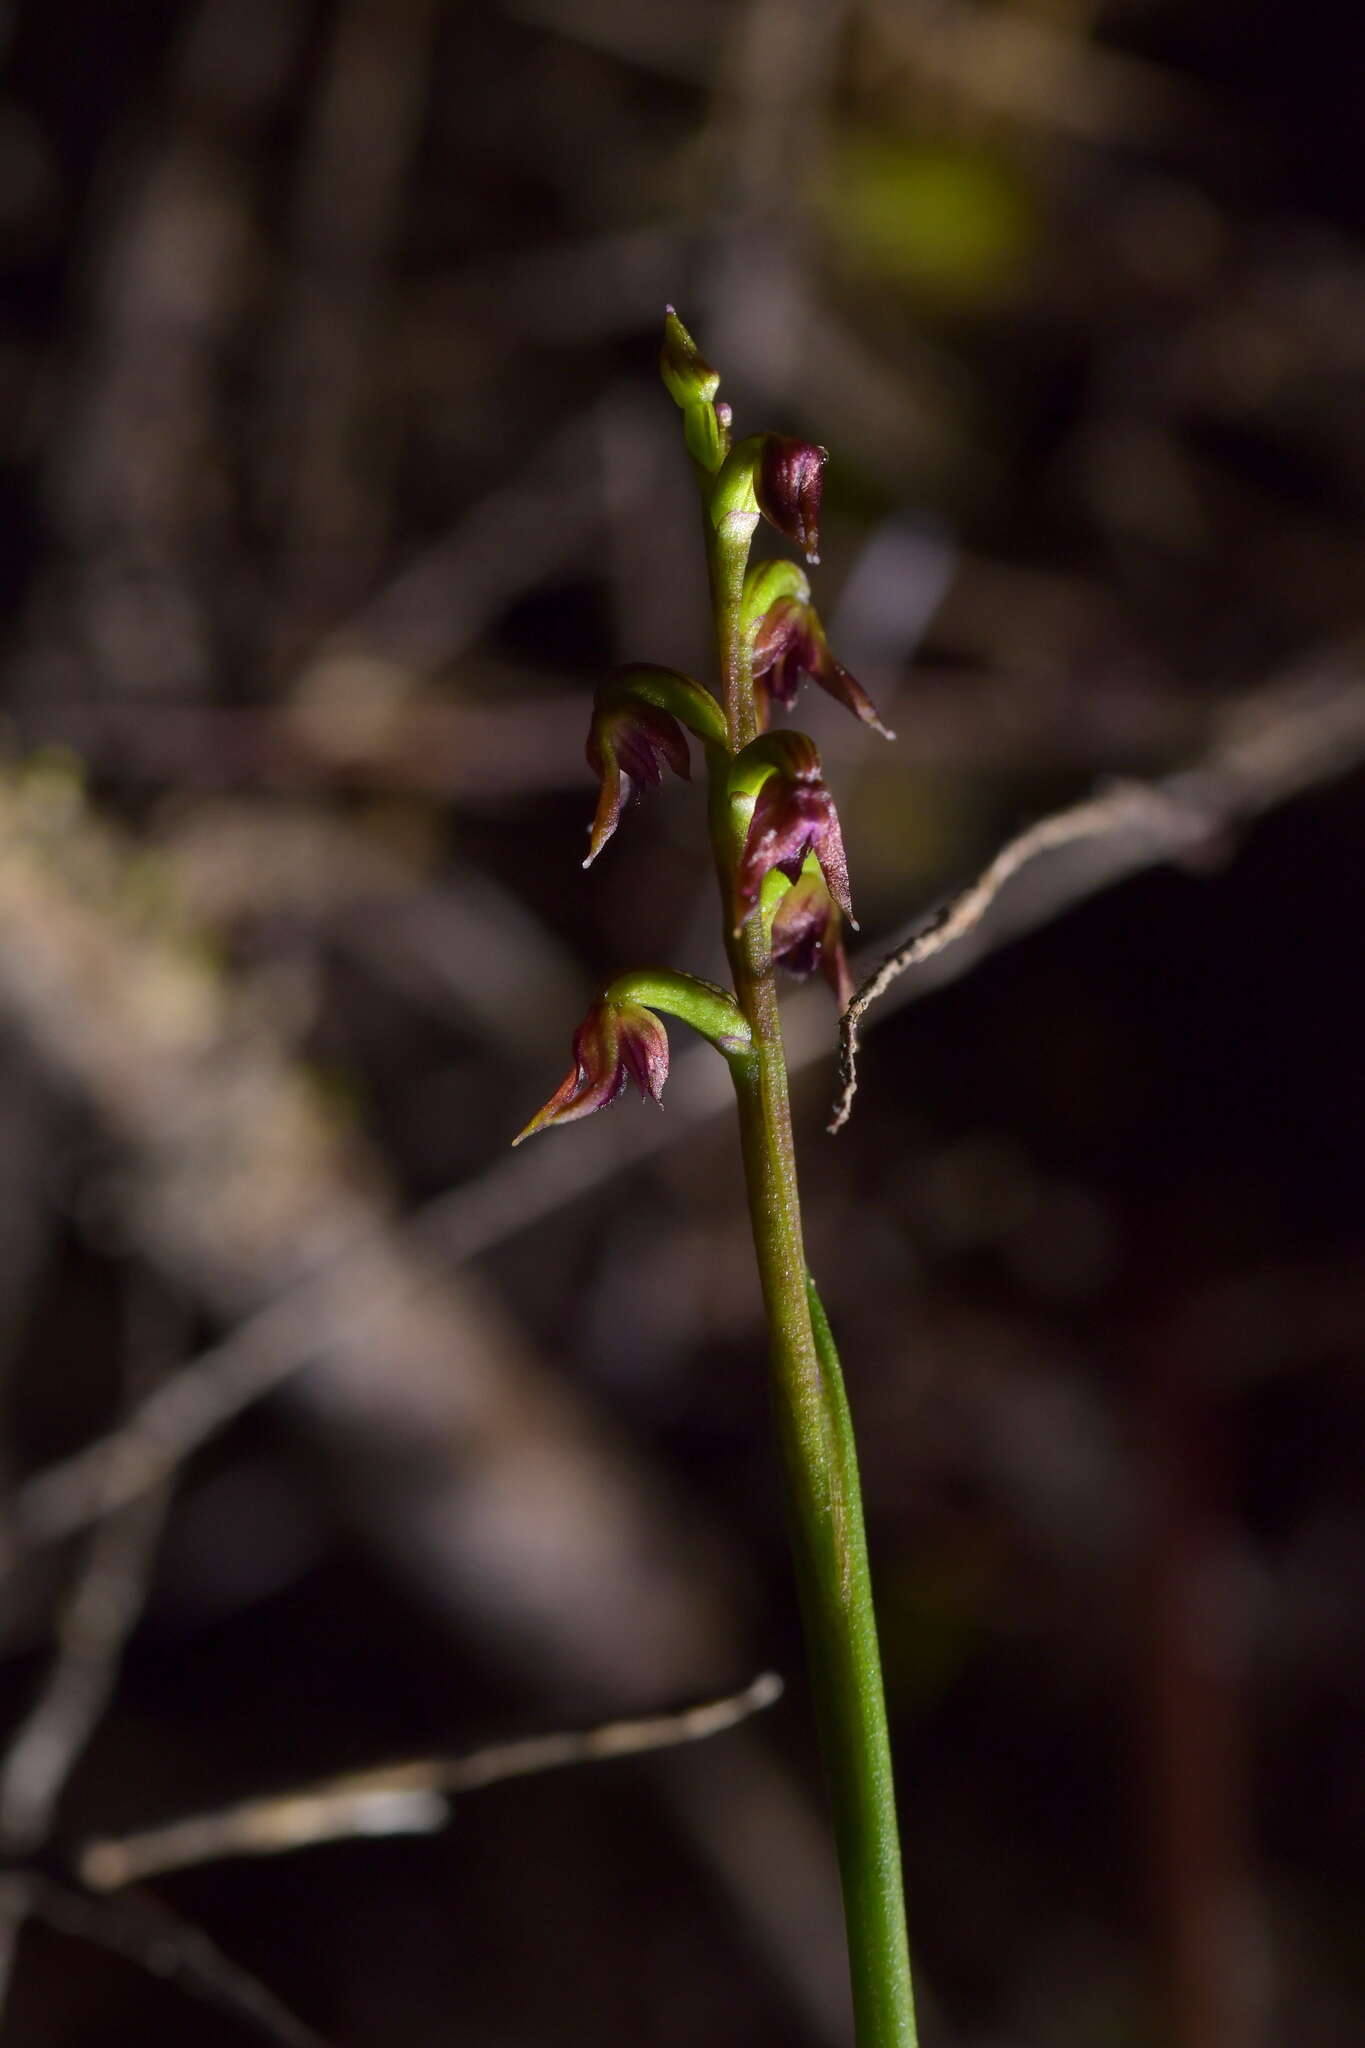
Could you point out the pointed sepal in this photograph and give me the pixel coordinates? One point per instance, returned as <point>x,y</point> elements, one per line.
<point>622,1040</point>
<point>807,933</point>
<point>616,1042</point>
<point>792,815</point>
<point>788,644</point>
<point>637,731</point>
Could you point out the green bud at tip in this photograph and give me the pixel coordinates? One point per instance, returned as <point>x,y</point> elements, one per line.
<point>688,376</point>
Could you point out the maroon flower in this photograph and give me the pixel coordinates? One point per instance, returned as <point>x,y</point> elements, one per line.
<point>808,933</point>
<point>615,1043</point>
<point>793,815</point>
<point>788,484</point>
<point>628,746</point>
<point>790,646</point>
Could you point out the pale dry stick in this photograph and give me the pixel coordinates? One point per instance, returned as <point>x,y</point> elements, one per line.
<point>1270,746</point>
<point>93,1626</point>
<point>96,1617</point>
<point>148,1933</point>
<point>1125,805</point>
<point>170,1424</point>
<point>403,1798</point>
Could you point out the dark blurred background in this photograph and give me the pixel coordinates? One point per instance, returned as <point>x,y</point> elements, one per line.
<point>335,470</point>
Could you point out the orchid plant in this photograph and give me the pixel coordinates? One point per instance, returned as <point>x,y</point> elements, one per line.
<point>783,878</point>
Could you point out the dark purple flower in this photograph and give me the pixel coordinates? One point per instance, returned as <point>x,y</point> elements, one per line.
<point>793,815</point>
<point>788,484</point>
<point>615,1043</point>
<point>629,745</point>
<point>790,646</point>
<point>808,933</point>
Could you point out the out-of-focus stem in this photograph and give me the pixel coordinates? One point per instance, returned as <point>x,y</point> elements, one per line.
<point>814,1429</point>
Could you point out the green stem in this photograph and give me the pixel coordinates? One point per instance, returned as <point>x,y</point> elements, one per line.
<point>711,1011</point>
<point>819,1460</point>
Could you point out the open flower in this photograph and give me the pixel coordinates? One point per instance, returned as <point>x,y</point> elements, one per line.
<point>790,646</point>
<point>640,718</point>
<point>629,745</point>
<point>793,815</point>
<point>616,1042</point>
<point>789,481</point>
<point>808,933</point>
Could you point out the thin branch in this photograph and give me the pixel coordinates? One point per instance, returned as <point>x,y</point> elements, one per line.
<point>1120,808</point>
<point>1269,747</point>
<point>98,1616</point>
<point>164,1429</point>
<point>403,1798</point>
<point>147,1933</point>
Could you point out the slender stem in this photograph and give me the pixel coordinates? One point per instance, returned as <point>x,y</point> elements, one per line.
<point>814,1429</point>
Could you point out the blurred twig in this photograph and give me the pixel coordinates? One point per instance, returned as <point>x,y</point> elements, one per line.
<point>242,1184</point>
<point>1118,809</point>
<point>95,1621</point>
<point>147,1933</point>
<point>1018,62</point>
<point>400,1798</point>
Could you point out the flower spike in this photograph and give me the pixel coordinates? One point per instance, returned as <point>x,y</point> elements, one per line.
<point>616,1042</point>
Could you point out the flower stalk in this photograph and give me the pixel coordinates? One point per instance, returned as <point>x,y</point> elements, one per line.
<point>774,833</point>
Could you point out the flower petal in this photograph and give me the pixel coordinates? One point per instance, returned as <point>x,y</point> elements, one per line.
<point>789,484</point>
<point>616,1042</point>
<point>793,815</point>
<point>808,933</point>
<point>629,745</point>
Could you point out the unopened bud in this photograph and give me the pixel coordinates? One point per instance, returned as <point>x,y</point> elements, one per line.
<point>789,485</point>
<point>688,376</point>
